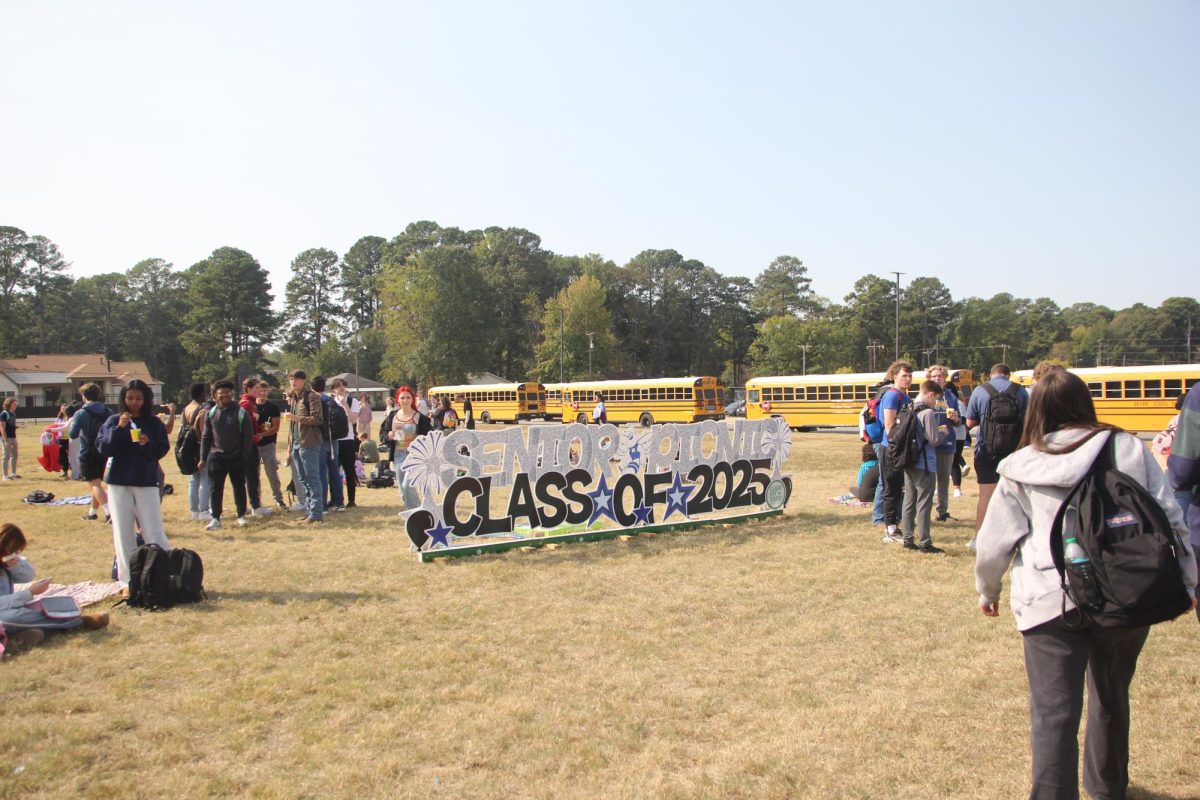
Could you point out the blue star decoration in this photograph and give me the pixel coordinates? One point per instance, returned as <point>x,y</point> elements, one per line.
<point>602,505</point>
<point>439,533</point>
<point>642,513</point>
<point>677,498</point>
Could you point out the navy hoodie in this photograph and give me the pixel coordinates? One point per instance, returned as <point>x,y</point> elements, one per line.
<point>86,422</point>
<point>133,464</point>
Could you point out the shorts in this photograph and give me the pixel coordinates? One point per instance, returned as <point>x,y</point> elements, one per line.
<point>985,469</point>
<point>91,466</point>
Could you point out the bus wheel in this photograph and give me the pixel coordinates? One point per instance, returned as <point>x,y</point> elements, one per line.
<point>485,418</point>
<point>645,420</point>
<point>582,418</point>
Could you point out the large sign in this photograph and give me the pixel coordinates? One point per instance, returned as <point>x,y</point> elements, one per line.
<point>531,484</point>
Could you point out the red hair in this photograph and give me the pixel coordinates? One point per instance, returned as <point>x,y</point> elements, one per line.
<point>410,392</point>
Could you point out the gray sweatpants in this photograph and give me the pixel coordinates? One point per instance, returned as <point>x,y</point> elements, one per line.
<point>944,462</point>
<point>1056,658</point>
<point>918,505</point>
<point>270,464</point>
<point>10,457</point>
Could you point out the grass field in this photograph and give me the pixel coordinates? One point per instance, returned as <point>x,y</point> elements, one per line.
<point>796,657</point>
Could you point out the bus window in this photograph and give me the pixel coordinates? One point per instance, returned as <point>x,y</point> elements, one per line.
<point>752,396</point>
<point>1192,382</point>
<point>810,392</point>
<point>1174,387</point>
<point>860,393</point>
<point>1095,388</point>
<point>521,396</point>
<point>1112,388</point>
<point>847,392</point>
<point>822,392</point>
<point>1153,388</point>
<point>1133,389</point>
<point>687,393</point>
<point>710,394</point>
<point>789,393</point>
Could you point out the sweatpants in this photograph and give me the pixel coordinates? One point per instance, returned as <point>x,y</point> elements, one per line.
<point>10,456</point>
<point>918,505</point>
<point>129,505</point>
<point>235,468</point>
<point>1056,659</point>
<point>270,465</point>
<point>346,454</point>
<point>945,460</point>
<point>253,478</point>
<point>892,480</point>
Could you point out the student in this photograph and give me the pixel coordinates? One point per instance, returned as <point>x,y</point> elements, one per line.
<point>891,479</point>
<point>64,442</point>
<point>225,449</point>
<point>27,626</point>
<point>948,404</point>
<point>199,486</point>
<point>249,403</point>
<point>332,497</point>
<point>444,418</point>
<point>306,443</point>
<point>363,423</point>
<point>134,441</point>
<point>268,425</point>
<point>868,475</point>
<point>920,479</point>
<point>84,427</point>
<point>985,460</point>
<point>1060,442</point>
<point>1183,465</point>
<point>468,413</point>
<point>407,424</point>
<point>368,451</point>
<point>600,411</point>
<point>8,422</point>
<point>347,446</point>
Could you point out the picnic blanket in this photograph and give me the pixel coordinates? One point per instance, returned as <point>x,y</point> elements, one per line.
<point>84,593</point>
<point>81,500</point>
<point>849,500</point>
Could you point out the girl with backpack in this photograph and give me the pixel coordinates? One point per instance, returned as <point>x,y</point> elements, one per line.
<point>134,440</point>
<point>25,622</point>
<point>1060,442</point>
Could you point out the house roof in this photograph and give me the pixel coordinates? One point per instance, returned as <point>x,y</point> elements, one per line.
<point>69,367</point>
<point>357,383</point>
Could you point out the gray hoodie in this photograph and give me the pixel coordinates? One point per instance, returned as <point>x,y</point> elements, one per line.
<point>1016,530</point>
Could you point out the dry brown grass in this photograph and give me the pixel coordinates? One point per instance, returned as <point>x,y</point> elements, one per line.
<point>797,657</point>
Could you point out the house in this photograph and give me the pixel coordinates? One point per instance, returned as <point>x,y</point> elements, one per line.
<point>376,392</point>
<point>46,381</point>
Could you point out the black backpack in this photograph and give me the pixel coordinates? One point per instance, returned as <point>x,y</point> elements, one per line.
<point>903,448</point>
<point>159,579</point>
<point>1002,422</point>
<point>336,422</point>
<point>187,448</point>
<point>1131,545</point>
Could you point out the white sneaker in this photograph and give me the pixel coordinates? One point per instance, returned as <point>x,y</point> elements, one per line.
<point>298,508</point>
<point>195,516</point>
<point>214,524</point>
<point>958,492</point>
<point>891,538</point>
<point>205,516</point>
<point>242,522</point>
<point>262,511</point>
<point>971,544</point>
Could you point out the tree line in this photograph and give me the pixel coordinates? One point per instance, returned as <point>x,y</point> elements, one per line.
<point>434,304</point>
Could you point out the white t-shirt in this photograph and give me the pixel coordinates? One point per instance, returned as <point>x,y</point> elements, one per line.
<point>350,405</point>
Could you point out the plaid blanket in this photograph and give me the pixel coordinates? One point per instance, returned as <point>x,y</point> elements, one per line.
<point>848,500</point>
<point>84,593</point>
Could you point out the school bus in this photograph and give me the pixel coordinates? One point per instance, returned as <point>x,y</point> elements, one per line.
<point>826,401</point>
<point>496,402</point>
<point>1133,398</point>
<point>645,402</point>
<point>554,403</point>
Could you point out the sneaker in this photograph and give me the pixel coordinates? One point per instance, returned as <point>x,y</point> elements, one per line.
<point>339,508</point>
<point>195,516</point>
<point>958,492</point>
<point>214,524</point>
<point>351,504</point>
<point>297,507</point>
<point>930,548</point>
<point>91,517</point>
<point>242,522</point>
<point>22,640</point>
<point>966,470</point>
<point>946,517</point>
<point>891,538</point>
<point>94,622</point>
<point>205,516</point>
<point>910,545</point>
<point>971,544</point>
<point>282,506</point>
<point>262,511</point>
<point>6,478</point>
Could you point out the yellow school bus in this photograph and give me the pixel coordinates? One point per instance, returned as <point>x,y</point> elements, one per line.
<point>646,402</point>
<point>554,403</point>
<point>496,402</point>
<point>826,401</point>
<point>1133,398</point>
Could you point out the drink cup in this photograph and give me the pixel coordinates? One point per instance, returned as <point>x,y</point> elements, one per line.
<point>135,435</point>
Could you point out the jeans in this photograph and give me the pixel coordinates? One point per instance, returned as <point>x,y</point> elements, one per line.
<point>199,487</point>
<point>877,508</point>
<point>306,466</point>
<point>408,495</point>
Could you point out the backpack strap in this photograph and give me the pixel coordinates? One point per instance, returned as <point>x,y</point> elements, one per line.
<point>991,390</point>
<point>1011,390</point>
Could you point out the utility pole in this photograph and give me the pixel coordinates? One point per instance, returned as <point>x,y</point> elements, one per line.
<point>898,274</point>
<point>1004,353</point>
<point>804,359</point>
<point>872,349</point>
<point>926,353</point>
<point>591,347</point>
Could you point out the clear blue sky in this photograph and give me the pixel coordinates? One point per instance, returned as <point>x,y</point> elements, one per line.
<point>1045,149</point>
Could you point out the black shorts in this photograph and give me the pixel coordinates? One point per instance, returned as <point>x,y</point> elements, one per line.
<point>985,469</point>
<point>91,466</point>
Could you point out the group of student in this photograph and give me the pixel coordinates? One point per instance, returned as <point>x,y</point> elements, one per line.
<point>1031,448</point>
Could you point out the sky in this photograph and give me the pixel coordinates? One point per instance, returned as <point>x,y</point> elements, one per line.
<point>1041,149</point>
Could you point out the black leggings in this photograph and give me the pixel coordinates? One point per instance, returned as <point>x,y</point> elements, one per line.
<point>346,453</point>
<point>958,463</point>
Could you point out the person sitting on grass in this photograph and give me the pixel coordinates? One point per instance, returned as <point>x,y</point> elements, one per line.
<point>27,626</point>
<point>868,475</point>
